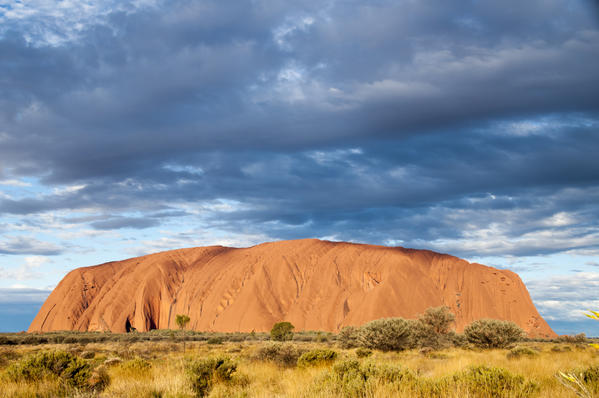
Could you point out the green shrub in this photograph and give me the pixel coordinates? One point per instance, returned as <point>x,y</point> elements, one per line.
<point>77,374</point>
<point>317,357</point>
<point>321,338</point>
<point>137,365</point>
<point>388,374</point>
<point>215,340</point>
<point>283,354</point>
<point>88,354</point>
<point>203,374</point>
<point>457,339</point>
<point>282,331</point>
<point>113,361</point>
<point>363,352</point>
<point>99,379</point>
<point>518,352</point>
<point>492,333</point>
<point>38,366</point>
<point>352,379</point>
<point>348,379</point>
<point>574,339</point>
<point>348,337</point>
<point>52,365</point>
<point>483,381</point>
<point>6,341</point>
<point>388,334</point>
<point>7,355</point>
<point>590,377</point>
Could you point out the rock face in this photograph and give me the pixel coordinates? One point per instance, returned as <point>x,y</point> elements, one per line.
<point>316,285</point>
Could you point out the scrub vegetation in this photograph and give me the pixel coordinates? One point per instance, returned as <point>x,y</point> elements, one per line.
<point>403,358</point>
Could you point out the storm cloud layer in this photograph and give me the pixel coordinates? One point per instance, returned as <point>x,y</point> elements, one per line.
<point>466,127</point>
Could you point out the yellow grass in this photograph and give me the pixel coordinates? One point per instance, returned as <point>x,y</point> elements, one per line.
<point>167,376</point>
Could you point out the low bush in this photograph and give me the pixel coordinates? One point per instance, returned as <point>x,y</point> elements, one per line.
<point>7,355</point>
<point>283,354</point>
<point>317,357</point>
<point>88,354</point>
<point>77,374</point>
<point>72,370</point>
<point>203,374</point>
<point>7,341</point>
<point>348,337</point>
<point>352,379</point>
<point>482,381</point>
<point>388,334</point>
<point>215,340</point>
<point>136,366</point>
<point>492,333</point>
<point>363,352</point>
<point>347,379</point>
<point>573,339</point>
<point>321,338</point>
<point>519,352</point>
<point>590,377</point>
<point>99,379</point>
<point>113,361</point>
<point>458,339</point>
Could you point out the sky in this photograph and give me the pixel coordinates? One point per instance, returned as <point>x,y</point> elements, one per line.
<point>464,127</point>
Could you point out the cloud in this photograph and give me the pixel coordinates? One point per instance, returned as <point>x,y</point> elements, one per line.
<point>462,128</point>
<point>28,270</point>
<point>15,183</point>
<point>23,295</point>
<point>566,297</point>
<point>22,245</point>
<point>125,222</point>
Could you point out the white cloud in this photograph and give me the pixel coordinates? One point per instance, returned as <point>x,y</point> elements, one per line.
<point>68,189</point>
<point>15,183</point>
<point>23,245</point>
<point>566,297</point>
<point>197,238</point>
<point>26,271</point>
<point>282,32</point>
<point>53,23</point>
<point>22,293</point>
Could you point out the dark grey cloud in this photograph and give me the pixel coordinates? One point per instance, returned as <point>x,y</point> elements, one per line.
<point>414,122</point>
<point>158,84</point>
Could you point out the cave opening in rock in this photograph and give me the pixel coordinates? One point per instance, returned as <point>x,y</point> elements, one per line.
<point>128,326</point>
<point>152,325</point>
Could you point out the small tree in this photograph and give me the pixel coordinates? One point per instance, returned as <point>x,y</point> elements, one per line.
<point>182,320</point>
<point>282,331</point>
<point>432,329</point>
<point>438,319</point>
